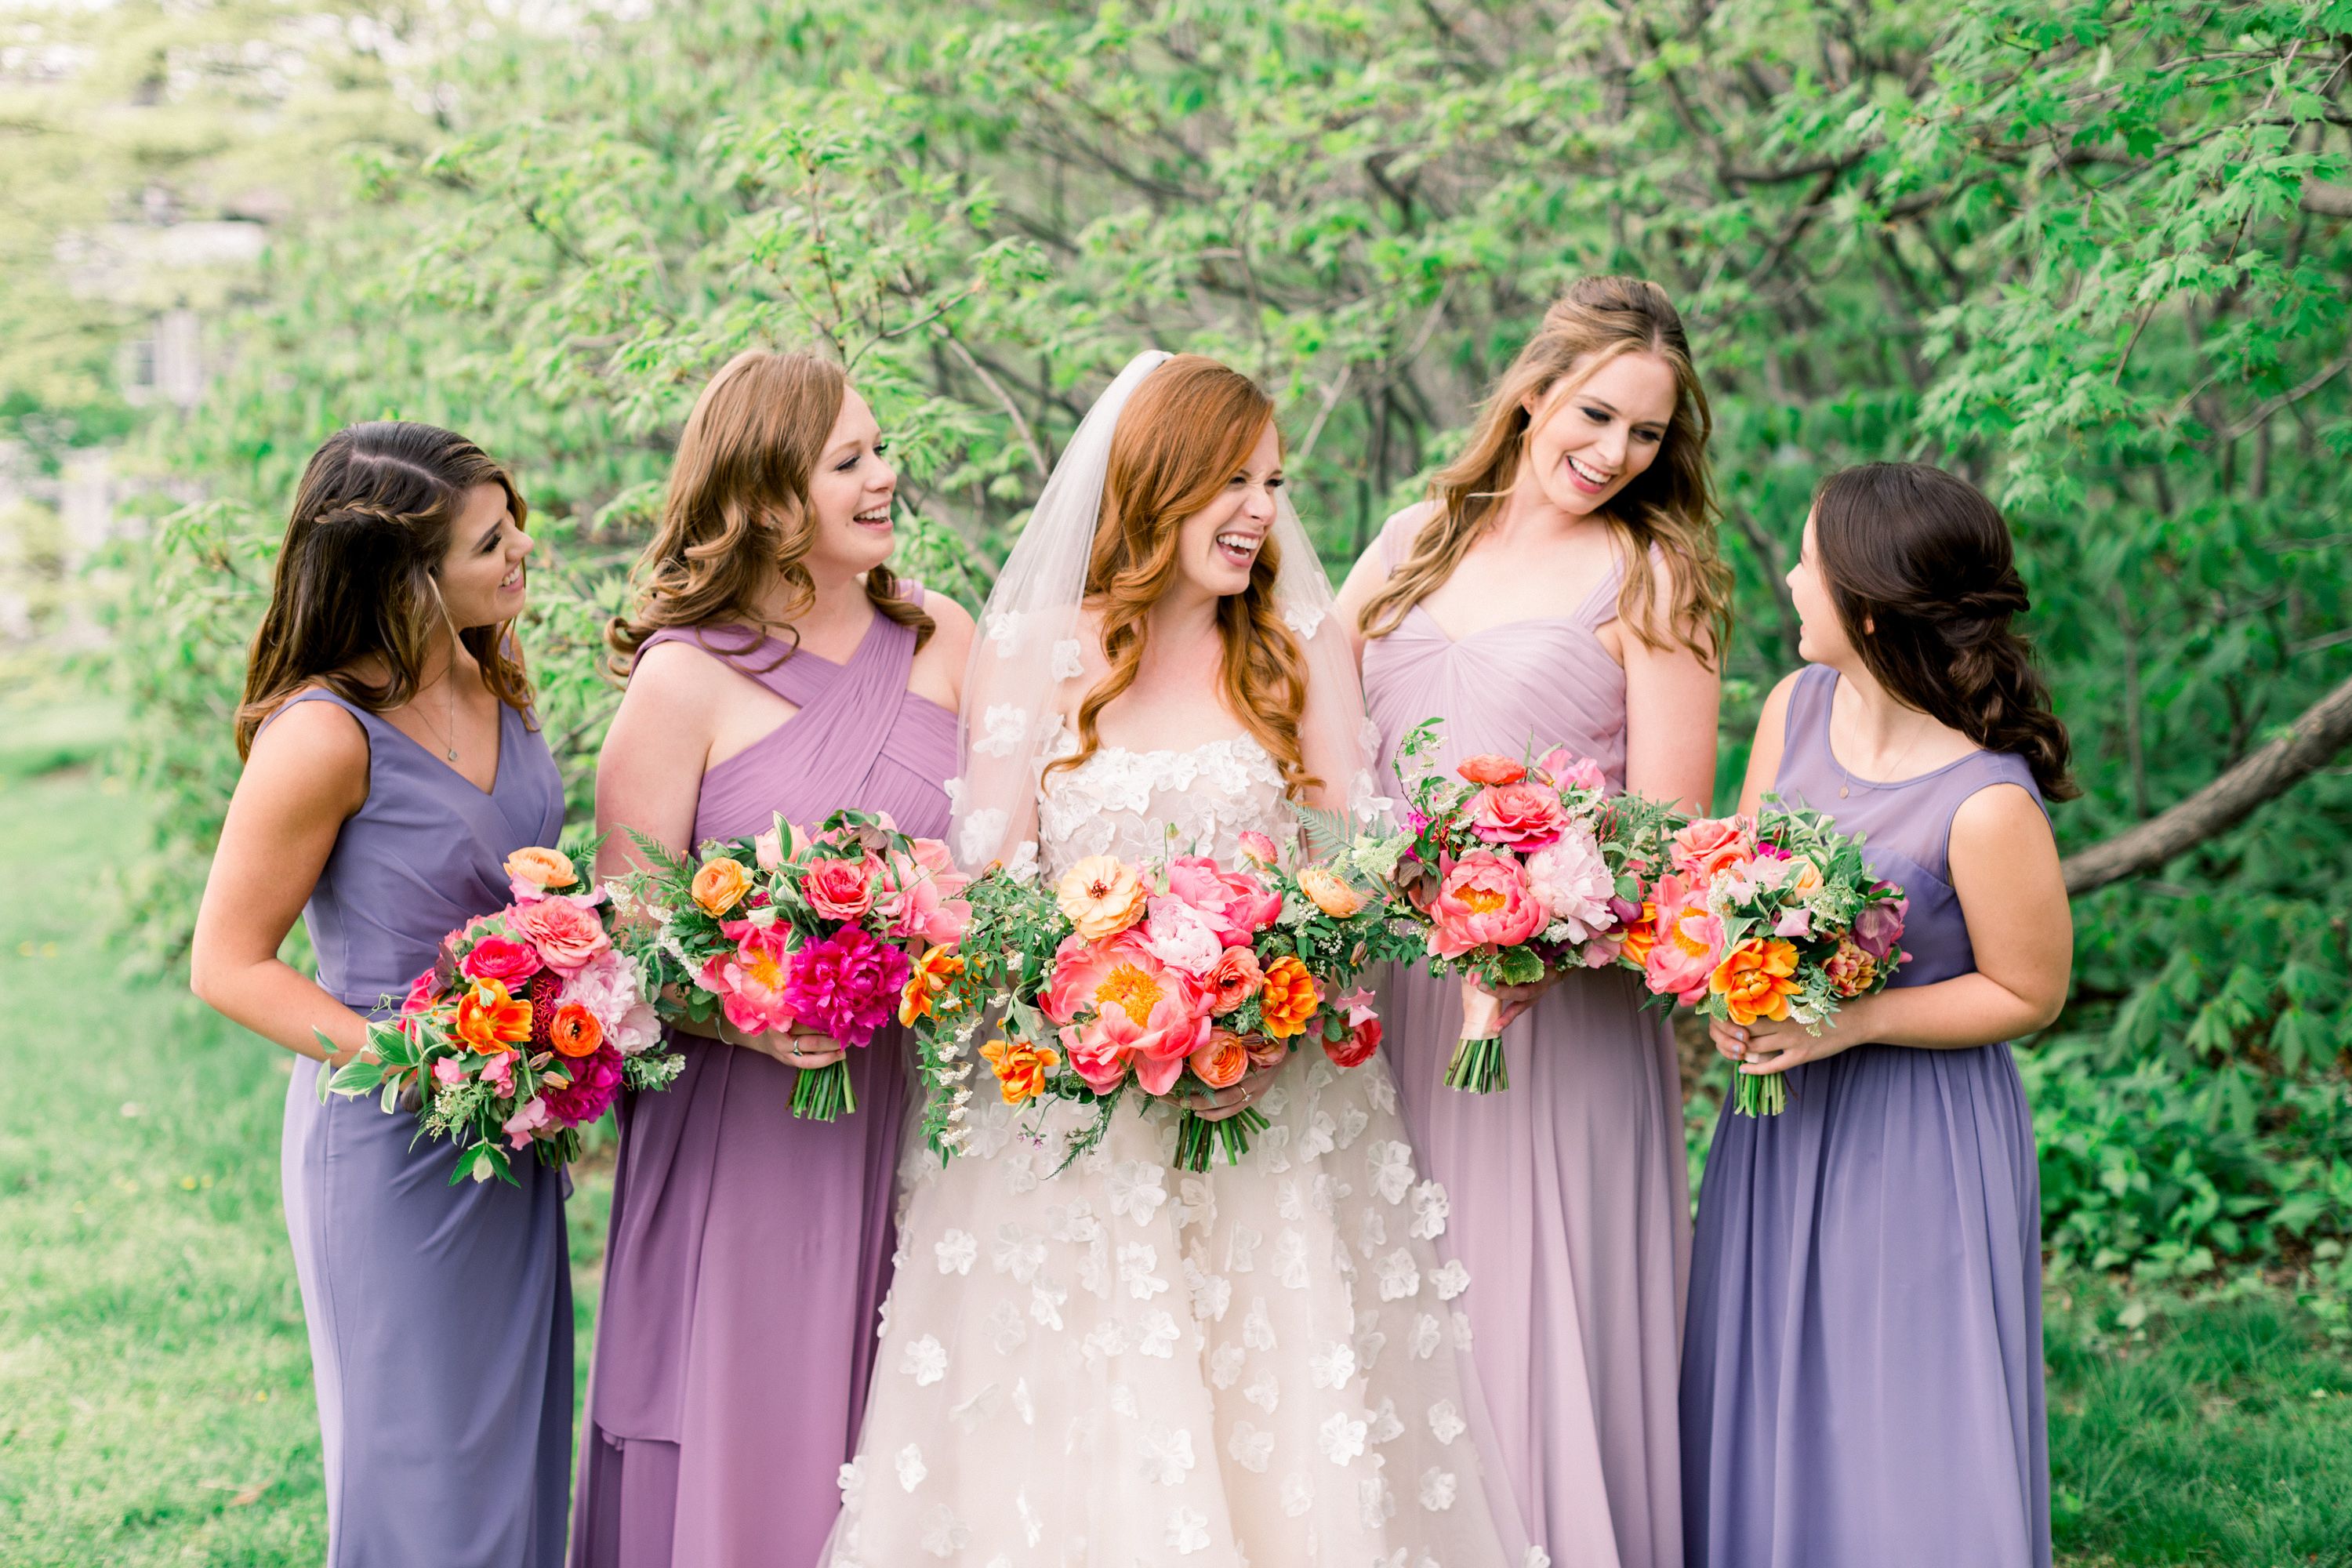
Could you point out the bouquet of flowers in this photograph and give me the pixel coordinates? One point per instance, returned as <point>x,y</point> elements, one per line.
<point>527,1025</point>
<point>784,927</point>
<point>1156,981</point>
<point>1775,917</point>
<point>1517,869</point>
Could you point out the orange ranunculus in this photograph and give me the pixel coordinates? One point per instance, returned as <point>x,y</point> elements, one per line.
<point>932,973</point>
<point>1290,998</point>
<point>1331,893</point>
<point>541,868</point>
<point>1640,935</point>
<point>1020,1067</point>
<point>1221,1063</point>
<point>1754,979</point>
<point>1102,895</point>
<point>1491,768</point>
<point>720,885</point>
<point>491,1020</point>
<point>575,1031</point>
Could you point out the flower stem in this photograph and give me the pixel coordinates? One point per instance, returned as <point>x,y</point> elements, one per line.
<point>1478,1065</point>
<point>1198,1138</point>
<point>1754,1094</point>
<point>824,1094</point>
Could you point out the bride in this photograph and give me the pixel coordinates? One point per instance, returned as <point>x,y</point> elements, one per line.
<point>1124,1363</point>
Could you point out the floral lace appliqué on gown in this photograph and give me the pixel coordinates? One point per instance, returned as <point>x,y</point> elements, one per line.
<point>1127,1364</point>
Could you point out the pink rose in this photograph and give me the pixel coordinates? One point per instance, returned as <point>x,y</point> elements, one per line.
<point>920,894</point>
<point>1238,905</point>
<point>841,890</point>
<point>1879,926</point>
<point>1525,816</point>
<point>1236,978</point>
<point>1689,944</point>
<point>768,848</point>
<point>1572,882</point>
<point>1145,1015</point>
<point>567,934</point>
<point>1705,846</point>
<point>1257,847</point>
<point>749,982</point>
<point>1569,771</point>
<point>502,958</point>
<point>1483,900</point>
<point>1357,1048</point>
<point>421,993</point>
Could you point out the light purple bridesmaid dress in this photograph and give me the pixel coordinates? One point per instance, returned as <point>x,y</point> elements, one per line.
<point>748,1252</point>
<point>1862,1383</point>
<point>1571,1199</point>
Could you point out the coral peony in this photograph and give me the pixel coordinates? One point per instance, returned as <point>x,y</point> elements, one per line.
<point>847,985</point>
<point>1684,954</point>
<point>1483,898</point>
<point>1143,1013</point>
<point>1020,1067</point>
<point>1525,816</point>
<point>489,1020</point>
<point>1701,848</point>
<point>1572,882</point>
<point>720,885</point>
<point>568,935</point>
<point>1221,1063</point>
<point>841,889</point>
<point>1235,979</point>
<point>1289,999</point>
<point>500,958</point>
<point>1238,905</point>
<point>1879,926</point>
<point>595,1079</point>
<point>1753,980</point>
<point>749,982</point>
<point>1356,1047</point>
<point>1330,891</point>
<point>1102,895</point>
<point>575,1031</point>
<point>1492,768</point>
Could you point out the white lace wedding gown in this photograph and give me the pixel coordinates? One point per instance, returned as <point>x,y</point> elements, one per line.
<point>1126,1364</point>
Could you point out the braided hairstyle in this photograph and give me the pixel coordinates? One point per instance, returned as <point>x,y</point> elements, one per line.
<point>355,578</point>
<point>1924,575</point>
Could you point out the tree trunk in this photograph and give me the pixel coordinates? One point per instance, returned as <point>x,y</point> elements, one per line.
<point>2323,730</point>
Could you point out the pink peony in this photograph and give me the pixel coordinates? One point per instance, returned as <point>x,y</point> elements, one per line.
<point>567,934</point>
<point>1879,926</point>
<point>1569,771</point>
<point>1180,934</point>
<point>502,958</point>
<point>1524,816</point>
<point>1705,846</point>
<point>841,889</point>
<point>1483,898</point>
<point>1238,905</point>
<point>595,1079</point>
<point>1689,944</point>
<point>607,987</point>
<point>1572,882</point>
<point>920,894</point>
<point>847,985</point>
<point>749,981</point>
<point>1137,1012</point>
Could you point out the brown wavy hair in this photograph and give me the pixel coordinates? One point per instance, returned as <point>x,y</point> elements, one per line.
<point>1184,433</point>
<point>355,578</point>
<point>1921,558</point>
<point>737,509</point>
<point>1670,504</point>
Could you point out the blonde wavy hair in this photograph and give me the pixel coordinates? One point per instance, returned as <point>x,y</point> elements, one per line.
<point>737,508</point>
<point>1671,504</point>
<point>1188,429</point>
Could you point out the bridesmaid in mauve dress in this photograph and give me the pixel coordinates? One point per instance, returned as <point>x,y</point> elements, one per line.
<point>1863,1381</point>
<point>1569,1194</point>
<point>748,1252</point>
<point>440,1316</point>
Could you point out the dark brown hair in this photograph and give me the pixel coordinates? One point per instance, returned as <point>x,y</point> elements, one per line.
<point>1186,431</point>
<point>355,578</point>
<point>1923,560</point>
<point>739,507</point>
<point>1670,504</point>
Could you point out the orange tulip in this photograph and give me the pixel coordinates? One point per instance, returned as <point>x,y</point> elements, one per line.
<point>1020,1067</point>
<point>489,1020</point>
<point>933,971</point>
<point>1290,998</point>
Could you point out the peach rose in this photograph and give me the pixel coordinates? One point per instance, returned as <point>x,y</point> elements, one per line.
<point>1331,893</point>
<point>1235,980</point>
<point>1702,848</point>
<point>1020,1067</point>
<point>841,890</point>
<point>1290,998</point>
<point>1492,768</point>
<point>533,871</point>
<point>1753,980</point>
<point>1483,898</point>
<point>567,935</point>
<point>719,885</point>
<point>1102,895</point>
<point>1267,1052</point>
<point>1221,1063</point>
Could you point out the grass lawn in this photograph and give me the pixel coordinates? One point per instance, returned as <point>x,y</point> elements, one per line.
<point>155,1381</point>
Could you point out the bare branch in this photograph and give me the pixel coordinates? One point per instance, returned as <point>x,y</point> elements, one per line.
<point>1021,425</point>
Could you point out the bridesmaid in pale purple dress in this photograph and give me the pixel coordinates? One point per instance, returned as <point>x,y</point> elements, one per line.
<point>1563,587</point>
<point>774,665</point>
<point>391,767</point>
<point>1862,1381</point>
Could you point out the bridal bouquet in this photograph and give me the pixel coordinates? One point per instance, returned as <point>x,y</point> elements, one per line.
<point>785,928</point>
<point>1772,917</point>
<point>1156,981</point>
<point>527,1025</point>
<point>1517,869</point>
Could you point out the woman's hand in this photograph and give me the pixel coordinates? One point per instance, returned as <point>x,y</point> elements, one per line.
<point>1765,1047</point>
<point>1480,1001</point>
<point>795,1047</point>
<point>1217,1104</point>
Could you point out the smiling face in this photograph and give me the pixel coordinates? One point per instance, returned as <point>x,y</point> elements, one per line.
<point>850,491</point>
<point>1216,546</point>
<point>481,574</point>
<point>1586,444</point>
<point>1822,636</point>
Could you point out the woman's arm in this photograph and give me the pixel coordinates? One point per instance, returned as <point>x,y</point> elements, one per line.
<point>1673,702</point>
<point>308,774</point>
<point>2004,865</point>
<point>1772,740</point>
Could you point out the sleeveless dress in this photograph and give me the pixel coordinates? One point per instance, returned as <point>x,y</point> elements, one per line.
<point>1862,1381</point>
<point>1570,1188</point>
<point>440,1316</point>
<point>1126,1364</point>
<point>747,1250</point>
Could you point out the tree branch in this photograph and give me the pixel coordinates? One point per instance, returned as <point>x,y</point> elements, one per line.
<point>2323,730</point>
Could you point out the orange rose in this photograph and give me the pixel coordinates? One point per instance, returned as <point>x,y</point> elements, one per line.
<point>1331,894</point>
<point>1754,979</point>
<point>575,1031</point>
<point>1806,878</point>
<point>1640,935</point>
<point>1020,1067</point>
<point>1221,1063</point>
<point>491,1020</point>
<point>932,973</point>
<point>1235,980</point>
<point>720,885</point>
<point>1102,895</point>
<point>541,868</point>
<point>1490,768</point>
<point>1289,999</point>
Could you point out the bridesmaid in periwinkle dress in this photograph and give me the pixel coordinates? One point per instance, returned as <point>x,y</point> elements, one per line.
<point>774,665</point>
<point>1563,587</point>
<point>1863,1381</point>
<point>391,767</point>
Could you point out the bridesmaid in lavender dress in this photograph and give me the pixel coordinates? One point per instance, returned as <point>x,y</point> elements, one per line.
<point>1863,1381</point>
<point>392,766</point>
<point>1563,588</point>
<point>749,1252</point>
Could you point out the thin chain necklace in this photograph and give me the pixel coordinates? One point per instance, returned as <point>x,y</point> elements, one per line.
<point>449,737</point>
<point>1893,769</point>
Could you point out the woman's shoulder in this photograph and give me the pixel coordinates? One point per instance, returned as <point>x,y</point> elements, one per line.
<point>1402,532</point>
<point>314,750</point>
